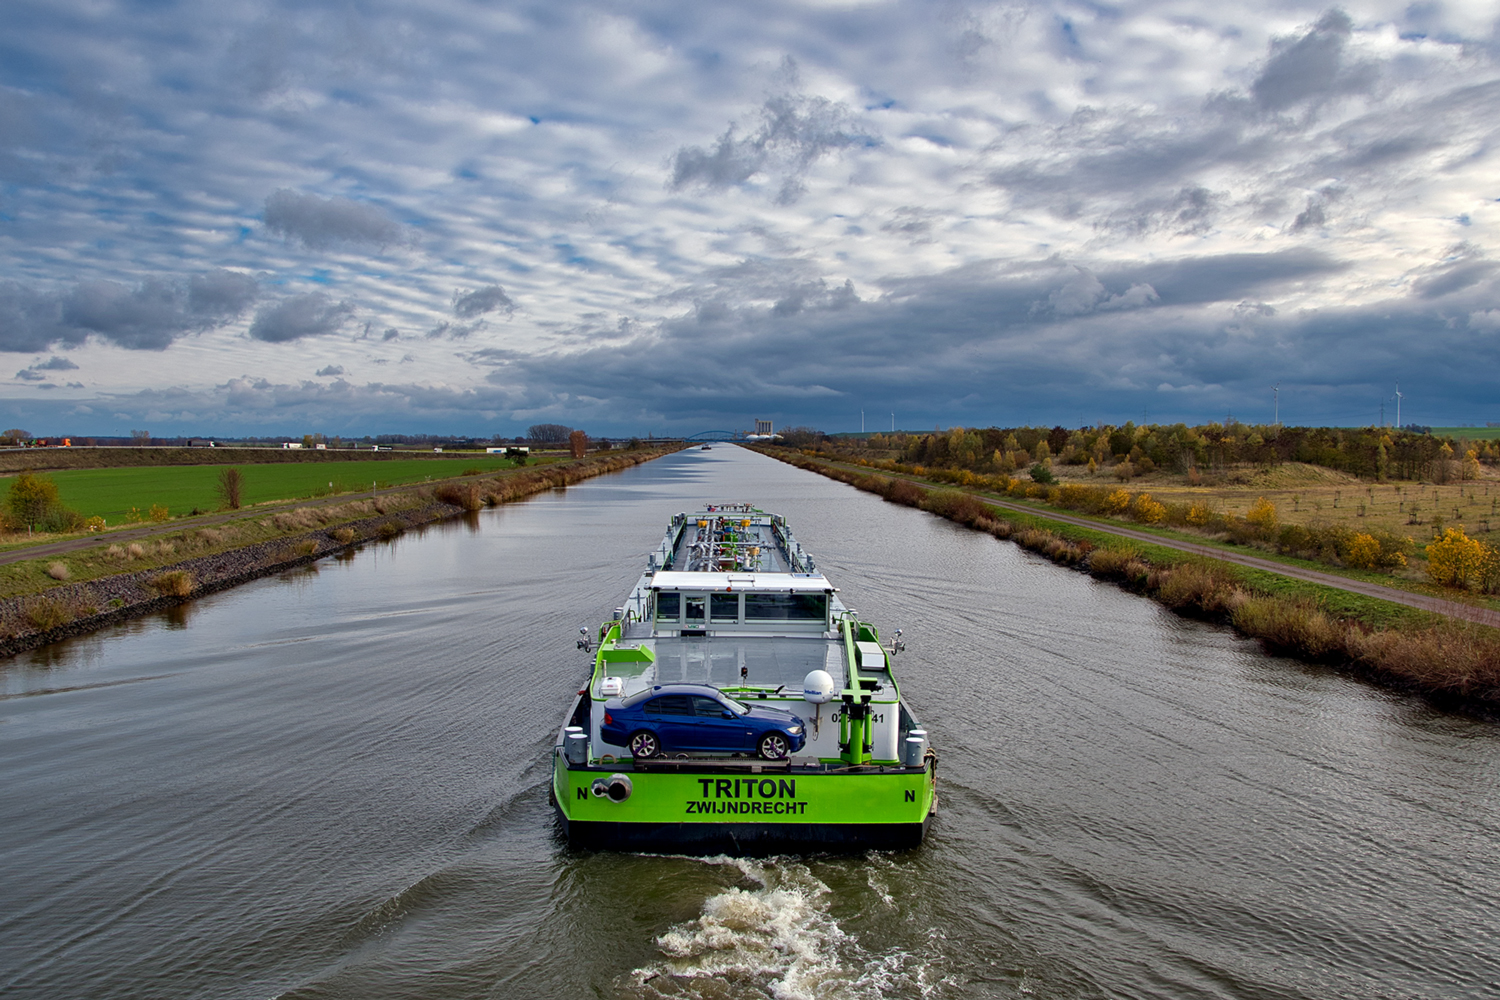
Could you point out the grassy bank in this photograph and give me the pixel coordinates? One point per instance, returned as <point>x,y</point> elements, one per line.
<point>112,493</point>
<point>54,596</point>
<point>1396,645</point>
<point>35,459</point>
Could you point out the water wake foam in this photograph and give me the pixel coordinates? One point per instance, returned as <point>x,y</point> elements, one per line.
<point>773,937</point>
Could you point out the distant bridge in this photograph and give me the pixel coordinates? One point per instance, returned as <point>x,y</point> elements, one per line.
<point>715,436</point>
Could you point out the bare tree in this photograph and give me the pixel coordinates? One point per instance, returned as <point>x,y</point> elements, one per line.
<point>140,438</point>
<point>548,433</point>
<point>231,484</point>
<point>578,442</point>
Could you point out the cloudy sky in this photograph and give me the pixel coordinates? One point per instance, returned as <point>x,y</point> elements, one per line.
<point>374,216</point>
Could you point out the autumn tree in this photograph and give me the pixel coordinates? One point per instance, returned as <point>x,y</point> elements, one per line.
<point>578,443</point>
<point>32,498</point>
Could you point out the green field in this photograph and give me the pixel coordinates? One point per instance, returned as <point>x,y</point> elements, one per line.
<point>111,493</point>
<point>1468,433</point>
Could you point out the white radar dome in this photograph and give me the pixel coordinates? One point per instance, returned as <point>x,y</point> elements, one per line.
<point>817,687</point>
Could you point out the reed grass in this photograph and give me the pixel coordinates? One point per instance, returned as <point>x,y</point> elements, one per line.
<point>175,583</point>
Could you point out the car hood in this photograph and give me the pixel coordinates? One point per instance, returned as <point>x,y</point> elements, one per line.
<point>766,713</point>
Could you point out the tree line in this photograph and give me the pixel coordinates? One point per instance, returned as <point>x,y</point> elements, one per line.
<point>1378,453</point>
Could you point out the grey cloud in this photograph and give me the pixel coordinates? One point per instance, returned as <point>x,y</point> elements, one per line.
<point>815,295</point>
<point>480,301</point>
<point>1190,212</point>
<point>149,316</point>
<point>1311,216</point>
<point>221,294</point>
<point>1107,337</point>
<point>310,315</point>
<point>1453,277</point>
<point>55,363</point>
<point>32,321</point>
<point>327,370</point>
<point>795,131</point>
<point>391,334</point>
<point>913,223</point>
<point>320,223</point>
<point>1311,66</point>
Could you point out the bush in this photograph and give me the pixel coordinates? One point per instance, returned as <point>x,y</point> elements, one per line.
<point>1041,474</point>
<point>1262,515</point>
<point>60,519</point>
<point>159,513</point>
<point>1117,502</point>
<point>344,536</point>
<point>465,495</point>
<point>1295,626</point>
<point>956,506</point>
<point>230,487</point>
<point>58,571</point>
<point>177,583</point>
<point>1456,560</point>
<point>1147,510</point>
<point>43,612</point>
<point>1210,586</point>
<point>1110,562</point>
<point>906,493</point>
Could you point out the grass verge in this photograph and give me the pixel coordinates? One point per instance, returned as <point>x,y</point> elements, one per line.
<point>1400,646</point>
<point>35,600</point>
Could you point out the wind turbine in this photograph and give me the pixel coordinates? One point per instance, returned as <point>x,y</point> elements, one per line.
<point>1276,395</point>
<point>1399,397</point>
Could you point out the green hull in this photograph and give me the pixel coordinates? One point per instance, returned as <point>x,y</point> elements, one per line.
<point>703,809</point>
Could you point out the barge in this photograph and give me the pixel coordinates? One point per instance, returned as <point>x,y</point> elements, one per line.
<point>735,705</point>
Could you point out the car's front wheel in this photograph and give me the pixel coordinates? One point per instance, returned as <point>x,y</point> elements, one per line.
<point>774,746</point>
<point>643,743</point>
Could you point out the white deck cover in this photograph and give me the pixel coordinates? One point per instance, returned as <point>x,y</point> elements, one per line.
<point>815,583</point>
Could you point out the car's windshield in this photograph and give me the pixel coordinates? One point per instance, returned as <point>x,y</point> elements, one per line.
<point>740,708</point>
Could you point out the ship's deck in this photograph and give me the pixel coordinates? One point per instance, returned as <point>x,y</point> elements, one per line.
<point>752,547</point>
<point>769,661</point>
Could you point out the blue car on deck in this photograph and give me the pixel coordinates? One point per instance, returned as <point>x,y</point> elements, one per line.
<point>699,718</point>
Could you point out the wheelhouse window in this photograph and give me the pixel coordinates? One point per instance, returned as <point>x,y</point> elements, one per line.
<point>668,606</point>
<point>786,607</point>
<point>694,609</point>
<point>724,608</point>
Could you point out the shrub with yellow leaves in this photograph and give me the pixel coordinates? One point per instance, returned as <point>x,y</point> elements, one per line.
<point>1456,560</point>
<point>1147,510</point>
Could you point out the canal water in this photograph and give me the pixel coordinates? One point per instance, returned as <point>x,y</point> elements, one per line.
<point>333,784</point>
